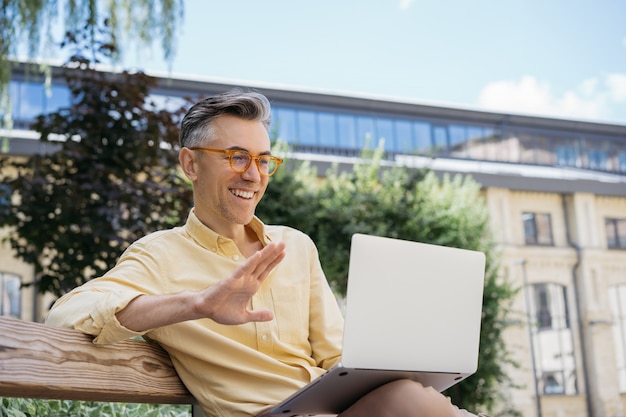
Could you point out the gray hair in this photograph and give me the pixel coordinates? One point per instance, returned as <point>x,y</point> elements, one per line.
<point>196,127</point>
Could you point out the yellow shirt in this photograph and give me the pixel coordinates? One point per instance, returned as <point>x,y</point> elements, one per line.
<point>231,370</point>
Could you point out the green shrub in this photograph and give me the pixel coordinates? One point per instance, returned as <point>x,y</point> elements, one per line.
<point>26,407</point>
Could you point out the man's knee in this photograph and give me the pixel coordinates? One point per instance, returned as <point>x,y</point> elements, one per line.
<point>415,395</point>
<point>406,398</point>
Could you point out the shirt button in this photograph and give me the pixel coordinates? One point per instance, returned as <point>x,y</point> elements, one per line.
<point>264,337</point>
<point>214,250</point>
<point>236,257</point>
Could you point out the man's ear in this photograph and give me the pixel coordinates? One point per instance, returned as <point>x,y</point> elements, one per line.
<point>187,160</point>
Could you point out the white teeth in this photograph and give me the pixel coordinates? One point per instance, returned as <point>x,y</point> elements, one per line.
<point>243,194</point>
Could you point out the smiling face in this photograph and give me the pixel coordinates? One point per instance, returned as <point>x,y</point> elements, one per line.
<point>226,200</point>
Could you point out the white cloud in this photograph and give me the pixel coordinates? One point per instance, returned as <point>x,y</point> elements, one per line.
<point>617,86</point>
<point>589,86</point>
<point>405,4</point>
<point>592,99</point>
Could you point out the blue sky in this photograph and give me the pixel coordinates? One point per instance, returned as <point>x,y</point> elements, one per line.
<point>563,58</point>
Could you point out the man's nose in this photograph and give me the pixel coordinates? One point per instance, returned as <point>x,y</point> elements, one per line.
<point>252,173</point>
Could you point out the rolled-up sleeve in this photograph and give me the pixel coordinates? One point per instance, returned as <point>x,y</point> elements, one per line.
<point>93,312</point>
<point>92,307</point>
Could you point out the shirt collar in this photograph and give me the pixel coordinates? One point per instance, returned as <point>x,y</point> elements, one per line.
<point>210,239</point>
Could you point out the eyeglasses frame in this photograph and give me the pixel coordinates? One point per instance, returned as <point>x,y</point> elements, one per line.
<point>231,152</point>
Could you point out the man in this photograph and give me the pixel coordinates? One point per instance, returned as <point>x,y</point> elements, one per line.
<point>243,309</point>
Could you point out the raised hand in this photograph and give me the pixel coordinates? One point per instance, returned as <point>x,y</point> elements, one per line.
<point>227,301</point>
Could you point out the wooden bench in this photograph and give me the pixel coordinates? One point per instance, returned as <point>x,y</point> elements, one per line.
<point>39,361</point>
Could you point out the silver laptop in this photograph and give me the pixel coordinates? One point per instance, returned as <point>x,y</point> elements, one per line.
<point>413,311</point>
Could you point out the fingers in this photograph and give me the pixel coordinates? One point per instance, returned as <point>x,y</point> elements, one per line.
<point>263,262</point>
<point>269,262</point>
<point>260,315</point>
<point>227,301</point>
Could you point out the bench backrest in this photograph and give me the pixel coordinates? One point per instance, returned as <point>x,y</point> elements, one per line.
<point>39,361</point>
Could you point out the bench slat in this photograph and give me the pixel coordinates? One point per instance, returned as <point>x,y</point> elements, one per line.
<point>38,361</point>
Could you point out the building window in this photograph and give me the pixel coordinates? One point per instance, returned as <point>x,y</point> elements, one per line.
<point>476,142</point>
<point>423,138</point>
<point>552,340</point>
<point>5,199</point>
<point>366,133</point>
<point>615,233</point>
<point>307,127</point>
<point>597,159</point>
<point>327,127</point>
<point>542,306</point>
<point>385,132</point>
<point>566,155</point>
<point>30,99</point>
<point>458,140</point>
<point>550,307</point>
<point>284,125</point>
<point>346,125</point>
<point>404,136</point>
<point>621,161</point>
<point>10,295</point>
<point>440,139</point>
<point>544,154</point>
<point>617,302</point>
<point>537,228</point>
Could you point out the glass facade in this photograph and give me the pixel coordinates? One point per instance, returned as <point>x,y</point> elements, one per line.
<point>30,99</point>
<point>325,131</point>
<point>342,131</point>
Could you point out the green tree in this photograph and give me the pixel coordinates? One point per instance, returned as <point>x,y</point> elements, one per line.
<point>411,205</point>
<point>287,201</point>
<point>113,180</point>
<point>30,24</point>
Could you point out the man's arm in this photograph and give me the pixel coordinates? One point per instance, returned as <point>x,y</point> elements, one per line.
<point>225,302</point>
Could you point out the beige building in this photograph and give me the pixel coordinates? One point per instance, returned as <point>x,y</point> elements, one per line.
<point>572,293</point>
<point>556,191</point>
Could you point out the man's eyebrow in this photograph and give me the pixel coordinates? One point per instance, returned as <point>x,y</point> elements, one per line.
<point>239,148</point>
